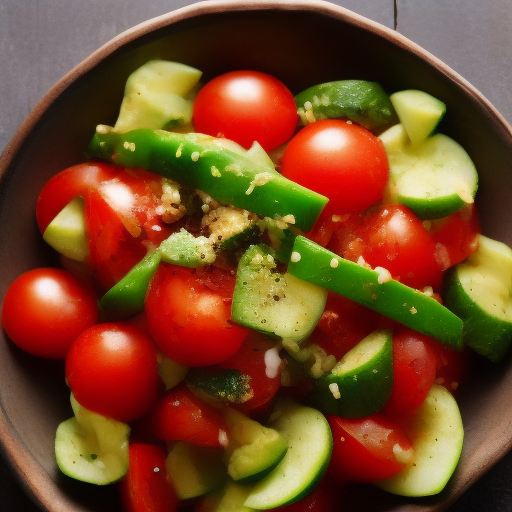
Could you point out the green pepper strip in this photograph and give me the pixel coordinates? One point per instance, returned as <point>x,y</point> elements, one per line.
<point>195,161</point>
<point>313,263</point>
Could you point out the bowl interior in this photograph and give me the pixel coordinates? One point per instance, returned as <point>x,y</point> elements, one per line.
<point>302,43</point>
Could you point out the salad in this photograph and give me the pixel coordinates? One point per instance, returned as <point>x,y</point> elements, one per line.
<point>263,297</point>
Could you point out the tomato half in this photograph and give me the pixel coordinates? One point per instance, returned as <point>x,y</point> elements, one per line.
<point>145,487</point>
<point>392,237</point>
<point>340,160</point>
<point>46,309</point>
<point>112,370</point>
<point>189,314</point>
<point>182,416</point>
<point>367,449</point>
<point>414,371</point>
<point>246,106</point>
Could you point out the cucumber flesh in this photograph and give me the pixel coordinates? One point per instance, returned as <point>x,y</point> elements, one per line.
<point>274,303</point>
<point>436,433</point>
<point>309,450</point>
<point>361,382</point>
<point>418,111</point>
<point>92,448</point>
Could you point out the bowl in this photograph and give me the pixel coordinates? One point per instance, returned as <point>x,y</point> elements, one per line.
<point>218,36</point>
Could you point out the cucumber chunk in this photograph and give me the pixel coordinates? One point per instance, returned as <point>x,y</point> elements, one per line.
<point>156,96</point>
<point>314,263</point>
<point>195,470</point>
<point>418,111</point>
<point>230,498</point>
<point>479,290</point>
<point>361,382</point>
<point>183,248</point>
<point>253,450</point>
<point>436,433</point>
<point>91,447</point>
<point>272,302</point>
<point>434,177</point>
<point>309,450</point>
<point>66,232</point>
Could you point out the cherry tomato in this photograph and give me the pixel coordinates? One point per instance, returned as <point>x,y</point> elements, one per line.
<point>189,314</point>
<point>182,416</point>
<point>145,488</point>
<point>246,106</point>
<point>414,371</point>
<point>391,237</point>
<point>456,236</point>
<point>453,367</point>
<point>112,370</point>
<point>367,449</point>
<point>340,160</point>
<point>46,309</point>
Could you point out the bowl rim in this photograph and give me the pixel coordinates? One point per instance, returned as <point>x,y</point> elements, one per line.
<point>33,478</point>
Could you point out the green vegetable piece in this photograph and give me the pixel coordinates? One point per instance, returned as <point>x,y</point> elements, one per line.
<point>184,249</point>
<point>364,102</point>
<point>361,382</point>
<point>371,288</point>
<point>230,498</point>
<point>274,302</point>
<point>479,290</point>
<point>126,297</point>
<point>198,162</point>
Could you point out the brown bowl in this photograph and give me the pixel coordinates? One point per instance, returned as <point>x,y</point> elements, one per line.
<point>301,42</point>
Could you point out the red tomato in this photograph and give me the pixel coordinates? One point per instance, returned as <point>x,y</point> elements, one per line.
<point>456,236</point>
<point>340,160</point>
<point>46,309</point>
<point>182,416</point>
<point>367,449</point>
<point>414,371</point>
<point>453,367</point>
<point>112,370</point>
<point>145,487</point>
<point>246,106</point>
<point>189,314</point>
<point>391,237</point>
<point>250,359</point>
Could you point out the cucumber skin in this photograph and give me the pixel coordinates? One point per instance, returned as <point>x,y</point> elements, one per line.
<point>391,298</point>
<point>485,334</point>
<point>363,102</point>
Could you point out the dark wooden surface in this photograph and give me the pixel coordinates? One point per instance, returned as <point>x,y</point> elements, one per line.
<point>41,40</point>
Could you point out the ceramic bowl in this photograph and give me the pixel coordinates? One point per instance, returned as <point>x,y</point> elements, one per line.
<point>303,43</point>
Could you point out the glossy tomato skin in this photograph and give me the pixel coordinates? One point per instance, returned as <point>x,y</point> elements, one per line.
<point>189,314</point>
<point>340,160</point>
<point>46,309</point>
<point>145,488</point>
<point>182,416</point>
<point>392,237</point>
<point>414,371</point>
<point>112,370</point>
<point>246,106</point>
<point>366,449</point>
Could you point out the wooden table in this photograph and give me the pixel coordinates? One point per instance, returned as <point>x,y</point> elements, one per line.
<point>41,41</point>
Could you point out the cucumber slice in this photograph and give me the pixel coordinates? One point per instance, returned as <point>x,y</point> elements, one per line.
<point>434,177</point>
<point>183,248</point>
<point>309,450</point>
<point>274,303</point>
<point>230,498</point>
<point>253,450</point>
<point>394,138</point>
<point>361,382</point>
<point>91,447</point>
<point>418,111</point>
<point>195,470</point>
<point>436,433</point>
<point>156,96</point>
<point>364,102</point>
<point>479,290</point>
<point>66,232</point>
<point>315,264</point>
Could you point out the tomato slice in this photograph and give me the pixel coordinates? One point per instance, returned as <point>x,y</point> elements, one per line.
<point>182,416</point>
<point>145,488</point>
<point>367,449</point>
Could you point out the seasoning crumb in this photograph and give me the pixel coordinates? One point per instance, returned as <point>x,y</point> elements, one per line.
<point>335,390</point>
<point>334,263</point>
<point>295,257</point>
